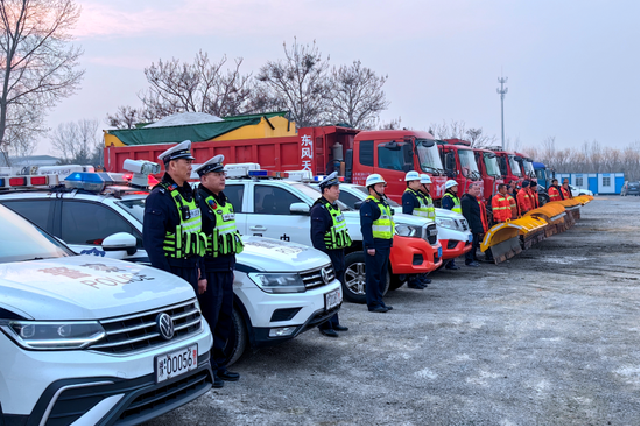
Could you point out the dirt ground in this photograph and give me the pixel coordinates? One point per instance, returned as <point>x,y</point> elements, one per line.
<point>552,337</point>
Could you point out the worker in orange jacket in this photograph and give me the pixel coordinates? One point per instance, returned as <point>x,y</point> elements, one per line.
<point>555,192</point>
<point>533,195</point>
<point>566,191</point>
<point>500,205</point>
<point>511,196</point>
<point>523,198</point>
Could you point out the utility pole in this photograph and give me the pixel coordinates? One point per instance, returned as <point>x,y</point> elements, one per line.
<point>502,91</point>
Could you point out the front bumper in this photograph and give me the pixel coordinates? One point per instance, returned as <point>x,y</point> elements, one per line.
<point>89,387</point>
<point>452,249</point>
<point>414,256</point>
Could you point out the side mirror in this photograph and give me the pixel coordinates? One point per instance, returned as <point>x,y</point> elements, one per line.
<point>299,208</point>
<point>116,245</point>
<point>357,204</point>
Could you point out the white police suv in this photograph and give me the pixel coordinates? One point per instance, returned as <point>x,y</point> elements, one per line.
<point>90,340</point>
<point>280,289</point>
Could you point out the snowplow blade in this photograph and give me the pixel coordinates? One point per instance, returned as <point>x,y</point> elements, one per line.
<point>509,238</point>
<point>554,216</point>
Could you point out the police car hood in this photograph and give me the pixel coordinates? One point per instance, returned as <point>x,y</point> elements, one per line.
<point>271,255</point>
<point>84,288</point>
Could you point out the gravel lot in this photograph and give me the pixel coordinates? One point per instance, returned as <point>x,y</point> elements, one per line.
<point>551,337</point>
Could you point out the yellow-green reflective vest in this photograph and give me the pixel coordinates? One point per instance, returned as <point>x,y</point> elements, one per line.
<point>188,239</point>
<point>456,203</point>
<point>426,209</point>
<point>225,238</point>
<point>383,226</point>
<point>337,237</point>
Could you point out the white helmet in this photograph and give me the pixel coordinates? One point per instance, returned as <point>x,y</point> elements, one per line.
<point>425,179</point>
<point>412,175</point>
<point>450,184</point>
<point>373,179</point>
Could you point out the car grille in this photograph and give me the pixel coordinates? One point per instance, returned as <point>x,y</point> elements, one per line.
<point>316,278</point>
<point>431,234</point>
<point>138,332</point>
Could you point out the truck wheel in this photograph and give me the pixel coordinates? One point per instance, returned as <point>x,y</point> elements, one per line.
<point>239,342</point>
<point>355,278</point>
<point>394,281</point>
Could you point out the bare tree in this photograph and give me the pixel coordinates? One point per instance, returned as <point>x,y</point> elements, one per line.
<point>478,138</point>
<point>39,65</point>
<point>125,118</point>
<point>302,80</point>
<point>78,142</point>
<point>356,95</point>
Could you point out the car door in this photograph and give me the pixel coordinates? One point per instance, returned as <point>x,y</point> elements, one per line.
<point>235,194</point>
<point>40,211</point>
<point>84,225</point>
<point>271,216</point>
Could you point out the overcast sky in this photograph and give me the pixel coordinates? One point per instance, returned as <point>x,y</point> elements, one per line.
<point>573,66</point>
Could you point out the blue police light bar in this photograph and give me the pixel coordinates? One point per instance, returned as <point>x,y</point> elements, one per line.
<point>1,182</point>
<point>257,173</point>
<point>86,181</point>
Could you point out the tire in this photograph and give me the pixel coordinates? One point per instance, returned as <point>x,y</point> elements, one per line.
<point>393,281</point>
<point>239,342</point>
<point>355,278</point>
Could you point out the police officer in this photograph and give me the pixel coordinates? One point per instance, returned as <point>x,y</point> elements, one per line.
<point>329,235</point>
<point>171,231</point>
<point>414,202</point>
<point>450,201</point>
<point>223,243</point>
<point>376,225</point>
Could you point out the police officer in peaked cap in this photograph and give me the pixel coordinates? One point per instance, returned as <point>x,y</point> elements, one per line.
<point>329,235</point>
<point>172,228</point>
<point>223,243</point>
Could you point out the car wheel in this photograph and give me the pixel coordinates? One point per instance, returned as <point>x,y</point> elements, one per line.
<point>239,343</point>
<point>393,282</point>
<point>355,278</point>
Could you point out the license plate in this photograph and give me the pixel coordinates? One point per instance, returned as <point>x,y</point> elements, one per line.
<point>176,363</point>
<point>332,299</point>
<point>439,251</point>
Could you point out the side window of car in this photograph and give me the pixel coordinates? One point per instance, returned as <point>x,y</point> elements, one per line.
<point>273,200</point>
<point>235,195</point>
<point>37,211</point>
<point>348,199</point>
<point>90,223</point>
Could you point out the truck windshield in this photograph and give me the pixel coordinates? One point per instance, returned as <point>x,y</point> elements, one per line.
<point>528,167</point>
<point>428,156</point>
<point>515,167</point>
<point>540,174</point>
<point>491,164</point>
<point>468,163</point>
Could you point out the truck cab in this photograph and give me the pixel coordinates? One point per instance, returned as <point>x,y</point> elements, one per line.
<point>526,166</point>
<point>509,167</point>
<point>460,164</point>
<point>489,170</point>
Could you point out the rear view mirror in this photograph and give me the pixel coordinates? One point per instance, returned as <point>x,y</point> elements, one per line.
<point>119,244</point>
<point>299,208</point>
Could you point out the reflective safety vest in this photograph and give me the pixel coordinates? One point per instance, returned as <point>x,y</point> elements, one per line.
<point>337,237</point>
<point>555,194</point>
<point>512,206</point>
<point>426,209</point>
<point>523,201</point>
<point>188,239</point>
<point>456,203</point>
<point>500,207</point>
<point>566,193</point>
<point>383,226</point>
<point>225,238</point>
<point>533,199</point>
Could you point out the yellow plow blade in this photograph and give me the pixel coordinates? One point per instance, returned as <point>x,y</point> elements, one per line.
<point>504,239</point>
<point>554,216</point>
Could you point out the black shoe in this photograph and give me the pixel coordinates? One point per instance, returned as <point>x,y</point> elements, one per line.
<point>473,264</point>
<point>340,328</point>
<point>426,281</point>
<point>228,376</point>
<point>388,308</point>
<point>217,381</point>
<point>329,332</point>
<point>417,286</point>
<point>379,309</point>
<point>452,267</point>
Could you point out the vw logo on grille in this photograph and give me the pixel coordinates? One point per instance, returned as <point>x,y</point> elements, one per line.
<point>164,323</point>
<point>325,275</point>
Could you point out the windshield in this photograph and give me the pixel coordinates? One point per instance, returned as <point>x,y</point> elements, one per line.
<point>20,240</point>
<point>468,163</point>
<point>362,193</point>
<point>515,167</point>
<point>134,207</point>
<point>314,193</point>
<point>429,158</point>
<point>528,167</point>
<point>540,174</point>
<point>491,164</point>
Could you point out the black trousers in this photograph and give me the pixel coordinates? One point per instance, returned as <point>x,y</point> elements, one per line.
<point>337,262</point>
<point>472,255</point>
<point>187,273</point>
<point>217,308</point>
<point>376,272</point>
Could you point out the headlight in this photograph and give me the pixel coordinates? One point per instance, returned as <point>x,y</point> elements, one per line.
<point>278,282</point>
<point>445,222</point>
<point>408,230</point>
<point>40,335</point>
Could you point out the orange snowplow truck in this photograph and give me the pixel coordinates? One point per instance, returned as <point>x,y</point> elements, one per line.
<point>274,142</point>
